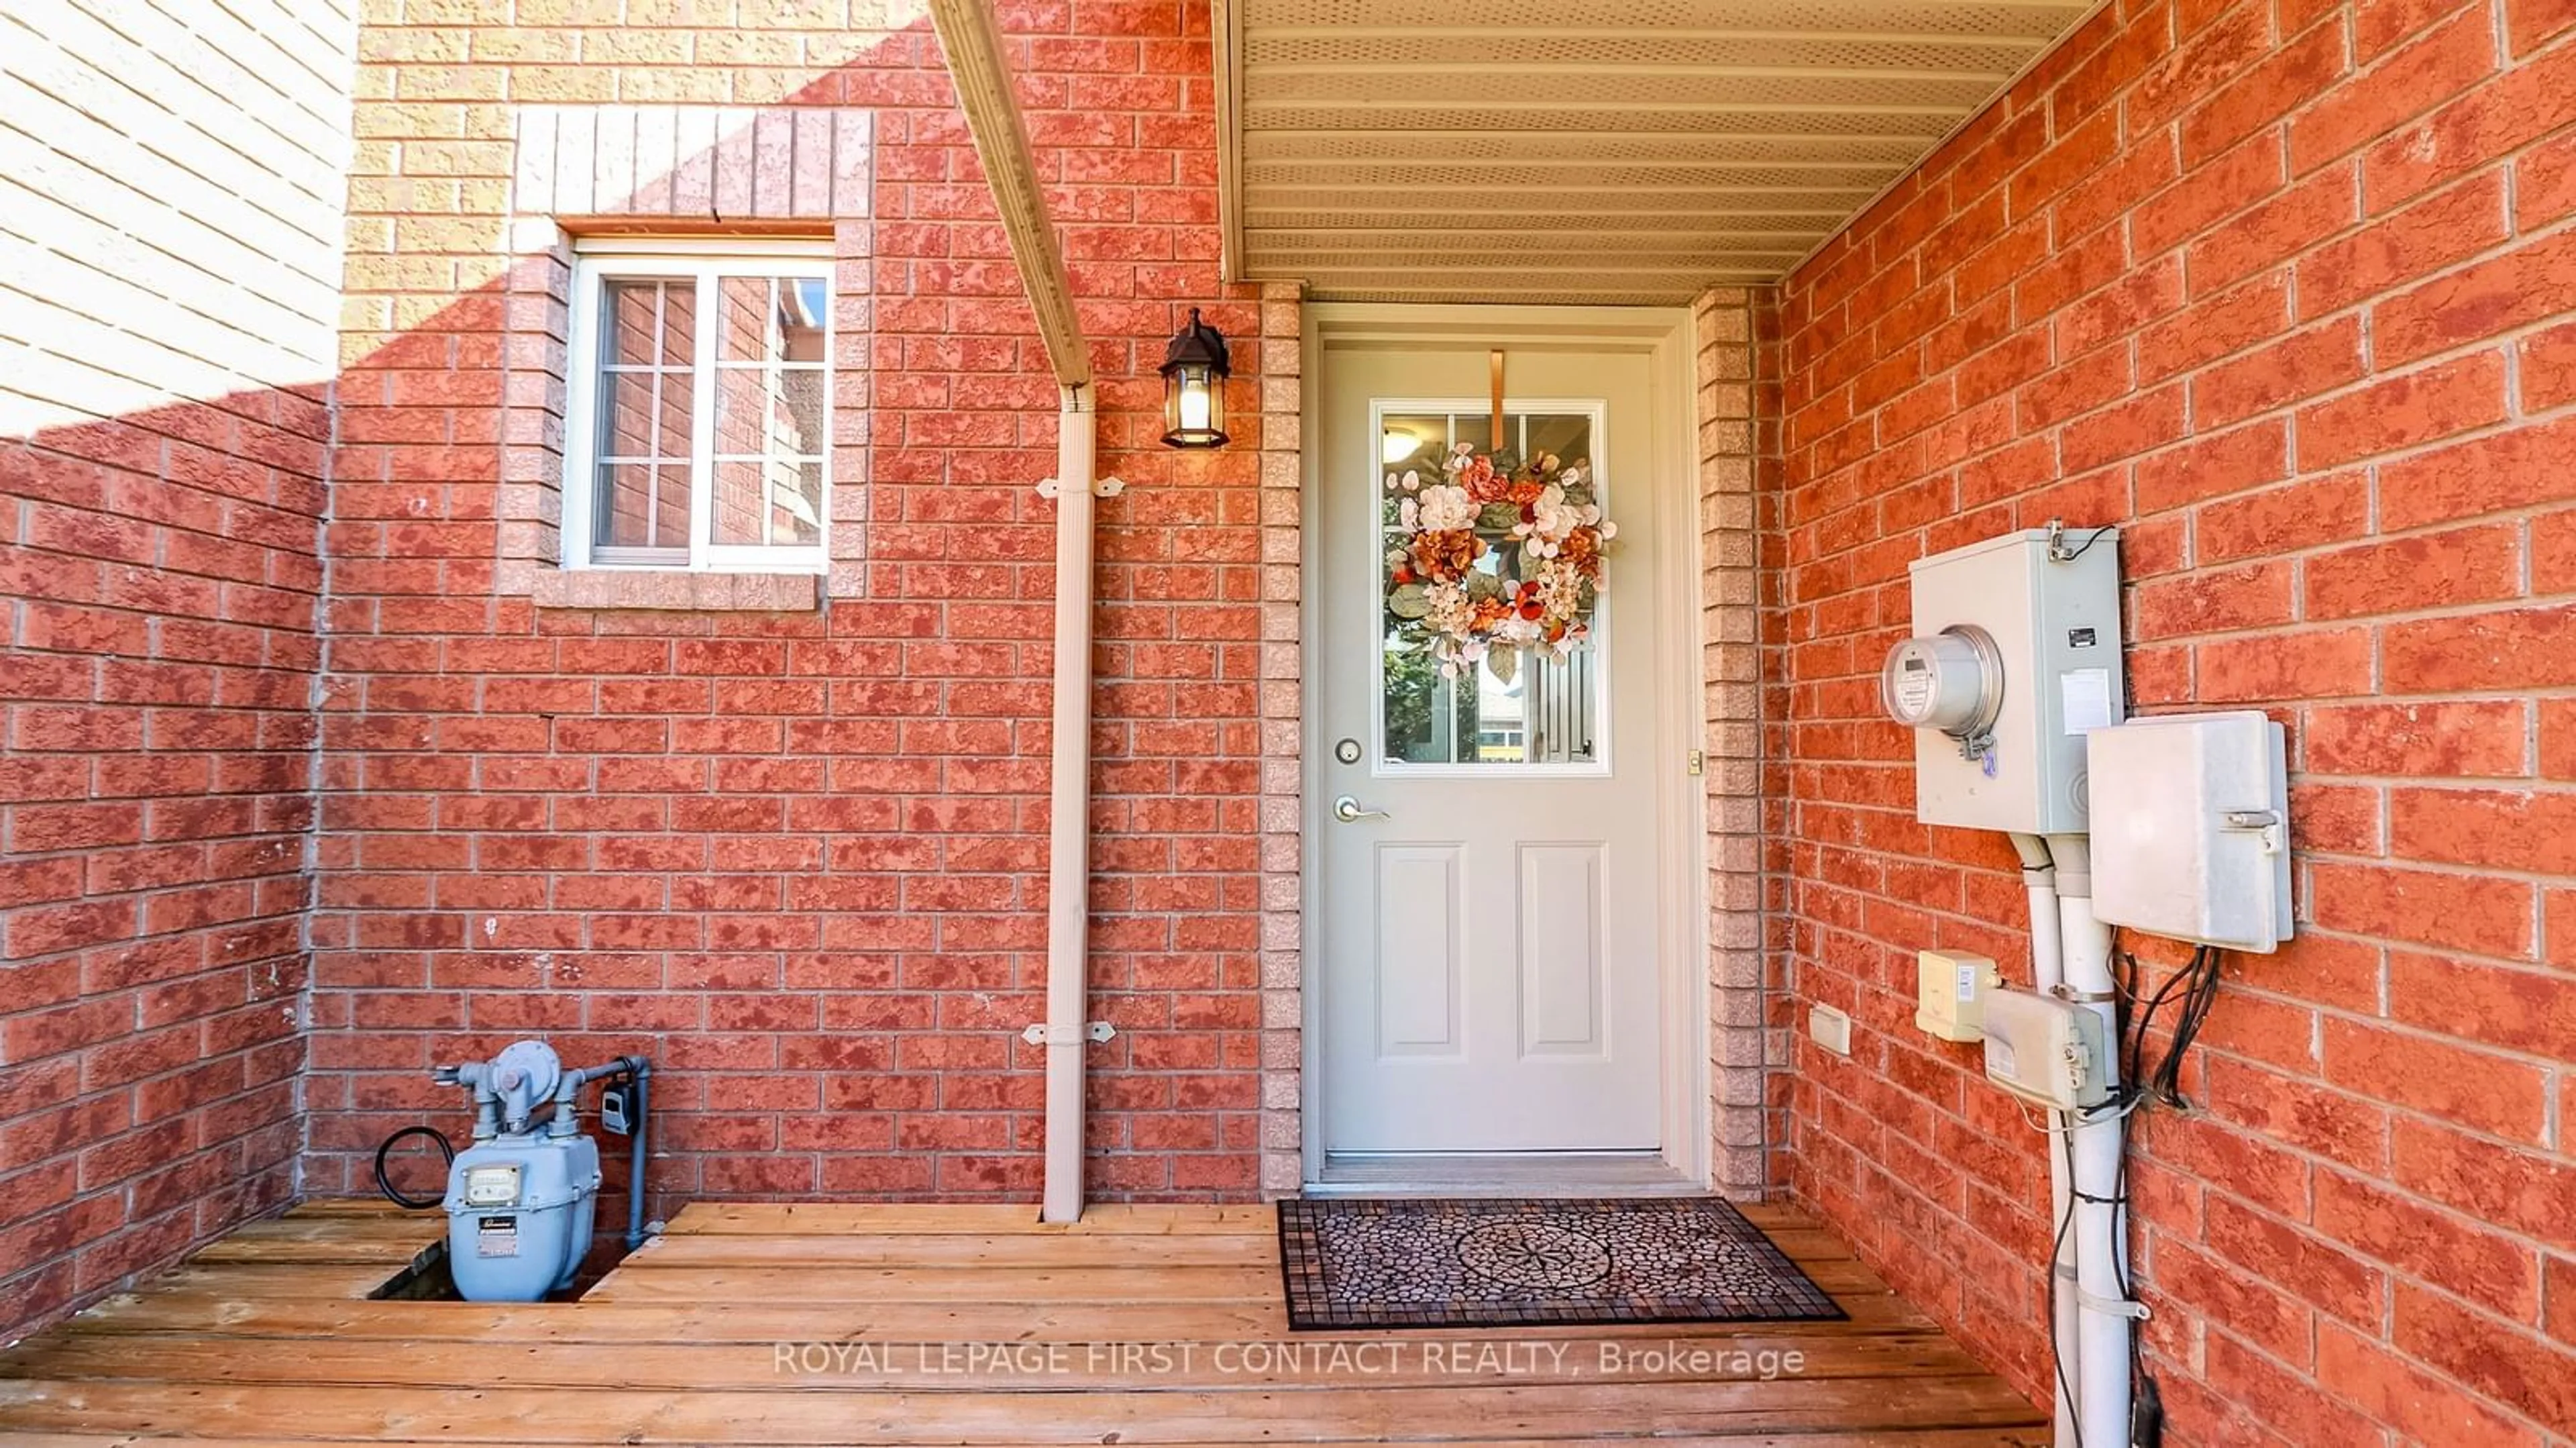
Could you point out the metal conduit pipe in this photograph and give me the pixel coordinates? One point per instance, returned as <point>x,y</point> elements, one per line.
<point>642,1149</point>
<point>2047,970</point>
<point>638,1070</point>
<point>2104,1316</point>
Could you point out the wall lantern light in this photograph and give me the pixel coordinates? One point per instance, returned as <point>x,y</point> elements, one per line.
<point>1194,373</point>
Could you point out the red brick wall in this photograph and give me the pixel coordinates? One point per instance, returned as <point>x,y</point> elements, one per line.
<point>2286,291</point>
<point>156,792</point>
<point>163,430</point>
<point>799,858</point>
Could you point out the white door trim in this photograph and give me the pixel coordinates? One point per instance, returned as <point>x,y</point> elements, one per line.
<point>1664,335</point>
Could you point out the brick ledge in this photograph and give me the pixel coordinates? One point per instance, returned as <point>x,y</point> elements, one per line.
<point>676,589</point>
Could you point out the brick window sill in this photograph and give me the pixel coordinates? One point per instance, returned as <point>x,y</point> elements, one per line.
<point>678,589</point>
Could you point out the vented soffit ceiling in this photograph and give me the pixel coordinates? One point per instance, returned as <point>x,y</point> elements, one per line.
<point>1602,151</point>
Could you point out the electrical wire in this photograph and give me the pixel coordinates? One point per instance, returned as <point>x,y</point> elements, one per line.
<point>2196,1004</point>
<point>2058,550</point>
<point>2121,1104</point>
<point>2198,981</point>
<point>2056,1249</point>
<point>2146,1403</point>
<point>2192,990</point>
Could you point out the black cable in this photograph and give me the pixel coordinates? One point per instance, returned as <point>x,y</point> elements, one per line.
<point>2057,546</point>
<point>2196,1007</point>
<point>385,1182</point>
<point>2127,972</point>
<point>2135,1077</point>
<point>2145,1401</point>
<point>2057,1249</point>
<point>2198,982</point>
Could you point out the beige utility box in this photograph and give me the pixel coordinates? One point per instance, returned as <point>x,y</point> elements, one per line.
<point>1951,990</point>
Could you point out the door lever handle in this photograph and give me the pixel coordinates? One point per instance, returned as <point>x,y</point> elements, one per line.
<point>1348,811</point>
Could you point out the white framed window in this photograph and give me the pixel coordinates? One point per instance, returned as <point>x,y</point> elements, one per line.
<point>697,430</point>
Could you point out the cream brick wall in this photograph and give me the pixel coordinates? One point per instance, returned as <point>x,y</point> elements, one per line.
<point>171,201</point>
<point>1741,1055</point>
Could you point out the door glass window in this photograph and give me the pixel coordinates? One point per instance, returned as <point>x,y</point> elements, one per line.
<point>1541,704</point>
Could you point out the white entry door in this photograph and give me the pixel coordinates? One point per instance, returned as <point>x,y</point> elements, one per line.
<point>1489,922</point>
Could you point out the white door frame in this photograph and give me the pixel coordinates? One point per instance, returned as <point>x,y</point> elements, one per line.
<point>1664,336</point>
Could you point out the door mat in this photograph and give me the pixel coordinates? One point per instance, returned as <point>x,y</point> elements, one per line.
<point>1479,1262</point>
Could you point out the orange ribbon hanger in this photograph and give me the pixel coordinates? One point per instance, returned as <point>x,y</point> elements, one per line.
<point>1495,442</point>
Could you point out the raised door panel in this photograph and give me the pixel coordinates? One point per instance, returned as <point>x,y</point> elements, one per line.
<point>1421,924</point>
<point>1560,978</point>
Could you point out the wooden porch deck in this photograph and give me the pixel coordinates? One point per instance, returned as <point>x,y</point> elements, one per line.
<point>941,1324</point>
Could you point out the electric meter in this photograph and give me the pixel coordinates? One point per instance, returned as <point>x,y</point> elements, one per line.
<point>1952,681</point>
<point>2015,658</point>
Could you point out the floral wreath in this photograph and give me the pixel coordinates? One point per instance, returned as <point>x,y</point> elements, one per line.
<point>1547,573</point>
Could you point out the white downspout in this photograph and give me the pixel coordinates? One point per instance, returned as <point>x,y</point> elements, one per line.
<point>2047,969</point>
<point>1069,810</point>
<point>2105,1317</point>
<point>971,39</point>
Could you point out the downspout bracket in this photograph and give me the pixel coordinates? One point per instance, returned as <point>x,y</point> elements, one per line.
<point>2129,1308</point>
<point>1100,488</point>
<point>1039,1033</point>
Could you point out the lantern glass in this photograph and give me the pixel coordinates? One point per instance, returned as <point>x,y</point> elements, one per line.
<point>1194,387</point>
<point>1193,407</point>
